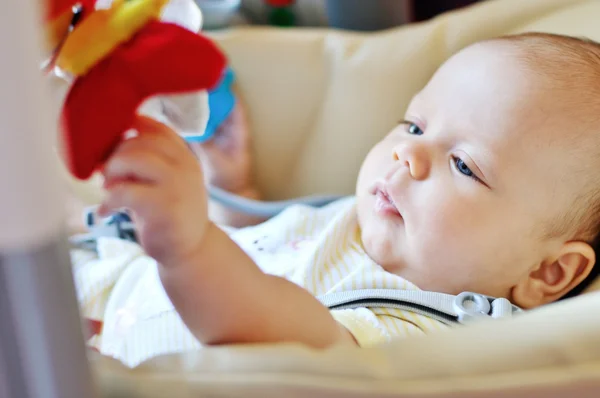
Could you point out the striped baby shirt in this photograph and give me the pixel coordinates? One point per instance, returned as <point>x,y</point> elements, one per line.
<point>318,249</point>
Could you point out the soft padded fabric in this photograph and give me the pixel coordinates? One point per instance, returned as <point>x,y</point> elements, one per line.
<point>318,100</point>
<point>315,96</point>
<point>553,352</point>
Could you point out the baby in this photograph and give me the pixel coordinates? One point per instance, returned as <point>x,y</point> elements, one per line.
<point>488,184</point>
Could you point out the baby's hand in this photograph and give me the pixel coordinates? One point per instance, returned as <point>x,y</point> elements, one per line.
<point>227,162</point>
<point>157,178</point>
<point>227,157</point>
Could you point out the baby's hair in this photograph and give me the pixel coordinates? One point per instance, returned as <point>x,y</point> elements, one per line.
<point>593,274</point>
<point>582,55</point>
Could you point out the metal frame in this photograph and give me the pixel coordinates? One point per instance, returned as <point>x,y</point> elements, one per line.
<point>42,349</point>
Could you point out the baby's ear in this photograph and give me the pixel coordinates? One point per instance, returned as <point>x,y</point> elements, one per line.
<point>556,276</point>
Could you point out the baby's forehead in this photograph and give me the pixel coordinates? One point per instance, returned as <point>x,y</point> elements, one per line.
<point>484,88</point>
<point>520,86</point>
<point>565,72</point>
<point>517,103</point>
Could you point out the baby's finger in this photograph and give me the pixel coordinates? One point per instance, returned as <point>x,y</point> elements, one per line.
<point>154,144</point>
<point>129,195</point>
<point>136,163</point>
<point>160,137</point>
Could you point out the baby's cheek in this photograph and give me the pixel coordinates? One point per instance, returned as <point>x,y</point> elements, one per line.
<point>447,233</point>
<point>373,168</point>
<point>472,242</point>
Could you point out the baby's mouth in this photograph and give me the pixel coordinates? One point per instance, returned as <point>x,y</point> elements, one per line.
<point>384,203</point>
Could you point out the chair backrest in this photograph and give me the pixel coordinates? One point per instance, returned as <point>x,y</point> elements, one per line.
<point>318,95</point>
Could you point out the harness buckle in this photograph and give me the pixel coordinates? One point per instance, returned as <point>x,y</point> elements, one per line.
<point>472,306</point>
<point>118,225</point>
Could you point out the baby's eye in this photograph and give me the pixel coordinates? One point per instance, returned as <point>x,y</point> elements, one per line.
<point>462,167</point>
<point>412,128</point>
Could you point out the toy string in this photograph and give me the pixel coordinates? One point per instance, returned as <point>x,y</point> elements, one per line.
<point>266,209</point>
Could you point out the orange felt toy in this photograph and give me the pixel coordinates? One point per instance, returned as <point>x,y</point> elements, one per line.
<point>119,57</point>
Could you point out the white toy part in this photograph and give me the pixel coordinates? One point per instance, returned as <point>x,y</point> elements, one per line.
<point>186,113</point>
<point>185,13</point>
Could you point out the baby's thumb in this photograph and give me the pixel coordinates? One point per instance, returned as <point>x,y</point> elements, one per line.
<point>144,124</point>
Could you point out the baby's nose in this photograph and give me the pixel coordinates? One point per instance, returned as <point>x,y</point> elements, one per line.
<point>415,157</point>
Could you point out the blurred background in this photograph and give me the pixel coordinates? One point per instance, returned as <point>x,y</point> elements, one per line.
<point>358,15</point>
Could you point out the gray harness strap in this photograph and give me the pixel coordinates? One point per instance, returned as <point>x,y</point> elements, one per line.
<point>445,308</point>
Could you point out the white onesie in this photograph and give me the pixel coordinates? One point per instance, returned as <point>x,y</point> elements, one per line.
<point>318,249</point>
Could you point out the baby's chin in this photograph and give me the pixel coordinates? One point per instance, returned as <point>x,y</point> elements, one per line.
<point>382,248</point>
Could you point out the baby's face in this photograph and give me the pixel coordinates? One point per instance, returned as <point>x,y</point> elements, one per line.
<point>458,197</point>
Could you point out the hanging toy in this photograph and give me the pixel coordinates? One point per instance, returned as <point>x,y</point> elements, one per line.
<point>118,57</point>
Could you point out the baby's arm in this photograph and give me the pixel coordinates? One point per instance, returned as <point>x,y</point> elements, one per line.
<point>223,297</point>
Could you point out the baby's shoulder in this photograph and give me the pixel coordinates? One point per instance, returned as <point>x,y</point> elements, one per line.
<point>298,223</point>
<point>302,218</point>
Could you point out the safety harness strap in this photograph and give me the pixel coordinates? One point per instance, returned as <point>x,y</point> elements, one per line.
<point>446,308</point>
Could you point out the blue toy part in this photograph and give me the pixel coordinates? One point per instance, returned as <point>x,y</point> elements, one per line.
<point>221,102</point>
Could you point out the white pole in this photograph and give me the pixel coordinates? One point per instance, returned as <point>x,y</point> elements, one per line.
<point>42,353</point>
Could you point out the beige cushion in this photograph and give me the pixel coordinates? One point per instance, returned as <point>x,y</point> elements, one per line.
<point>553,352</point>
<point>579,20</point>
<point>319,100</point>
<point>350,89</point>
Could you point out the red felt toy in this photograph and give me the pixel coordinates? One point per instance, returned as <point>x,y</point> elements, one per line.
<point>119,57</point>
